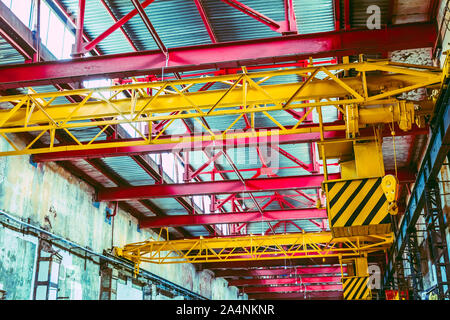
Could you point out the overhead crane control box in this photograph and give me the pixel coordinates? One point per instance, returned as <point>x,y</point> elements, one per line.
<point>357,204</point>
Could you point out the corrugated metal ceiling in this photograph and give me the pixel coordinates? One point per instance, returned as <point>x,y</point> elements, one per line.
<point>178,23</point>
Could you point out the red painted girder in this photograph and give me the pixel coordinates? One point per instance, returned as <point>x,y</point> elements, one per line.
<point>299,288</point>
<point>221,55</point>
<point>234,217</point>
<point>329,270</point>
<point>215,144</point>
<point>315,295</point>
<point>307,167</point>
<point>138,6</point>
<point>290,16</point>
<point>275,26</point>
<point>224,187</point>
<point>337,14</point>
<point>283,281</point>
<point>205,20</point>
<point>121,28</point>
<point>376,257</point>
<point>205,165</point>
<point>211,187</point>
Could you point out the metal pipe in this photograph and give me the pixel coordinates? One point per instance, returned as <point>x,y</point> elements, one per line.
<point>71,244</point>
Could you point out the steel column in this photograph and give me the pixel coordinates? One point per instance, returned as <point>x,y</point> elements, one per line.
<point>436,223</point>
<point>437,150</point>
<point>413,257</point>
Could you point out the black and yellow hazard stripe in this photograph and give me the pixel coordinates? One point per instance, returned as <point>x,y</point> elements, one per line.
<point>356,288</point>
<point>355,203</point>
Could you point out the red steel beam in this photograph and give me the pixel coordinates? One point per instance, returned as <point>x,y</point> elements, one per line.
<point>347,14</point>
<point>221,55</point>
<point>205,20</point>
<point>328,270</point>
<point>89,46</point>
<point>121,27</point>
<point>215,144</point>
<point>299,288</point>
<point>307,167</point>
<point>268,263</point>
<point>80,27</point>
<point>290,16</point>
<point>376,257</point>
<point>283,281</point>
<point>149,25</point>
<point>212,187</point>
<point>325,295</point>
<point>337,14</point>
<point>275,26</point>
<point>232,217</point>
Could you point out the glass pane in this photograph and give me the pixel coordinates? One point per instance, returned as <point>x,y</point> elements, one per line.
<point>54,273</point>
<point>55,37</point>
<point>43,271</point>
<point>69,40</point>
<point>7,2</point>
<point>22,10</point>
<point>45,15</point>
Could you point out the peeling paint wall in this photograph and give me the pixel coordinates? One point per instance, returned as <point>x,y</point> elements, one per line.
<point>420,56</point>
<point>49,197</point>
<point>17,262</point>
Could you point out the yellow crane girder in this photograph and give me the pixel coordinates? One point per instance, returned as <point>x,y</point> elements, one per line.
<point>367,98</point>
<point>253,247</point>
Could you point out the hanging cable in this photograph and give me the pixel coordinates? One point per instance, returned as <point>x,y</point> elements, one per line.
<point>392,128</point>
<point>165,66</point>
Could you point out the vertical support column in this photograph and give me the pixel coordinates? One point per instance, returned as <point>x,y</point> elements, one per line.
<point>108,282</point>
<point>413,255</point>
<point>400,281</point>
<point>78,47</point>
<point>436,237</point>
<point>186,173</point>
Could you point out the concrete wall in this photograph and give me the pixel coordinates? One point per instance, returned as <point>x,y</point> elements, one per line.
<point>49,197</point>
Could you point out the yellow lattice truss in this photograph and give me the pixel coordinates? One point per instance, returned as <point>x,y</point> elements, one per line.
<point>365,99</point>
<point>247,248</point>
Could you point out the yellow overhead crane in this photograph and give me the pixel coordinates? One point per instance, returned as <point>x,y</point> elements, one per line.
<point>358,204</point>
<point>365,99</point>
<point>320,245</point>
